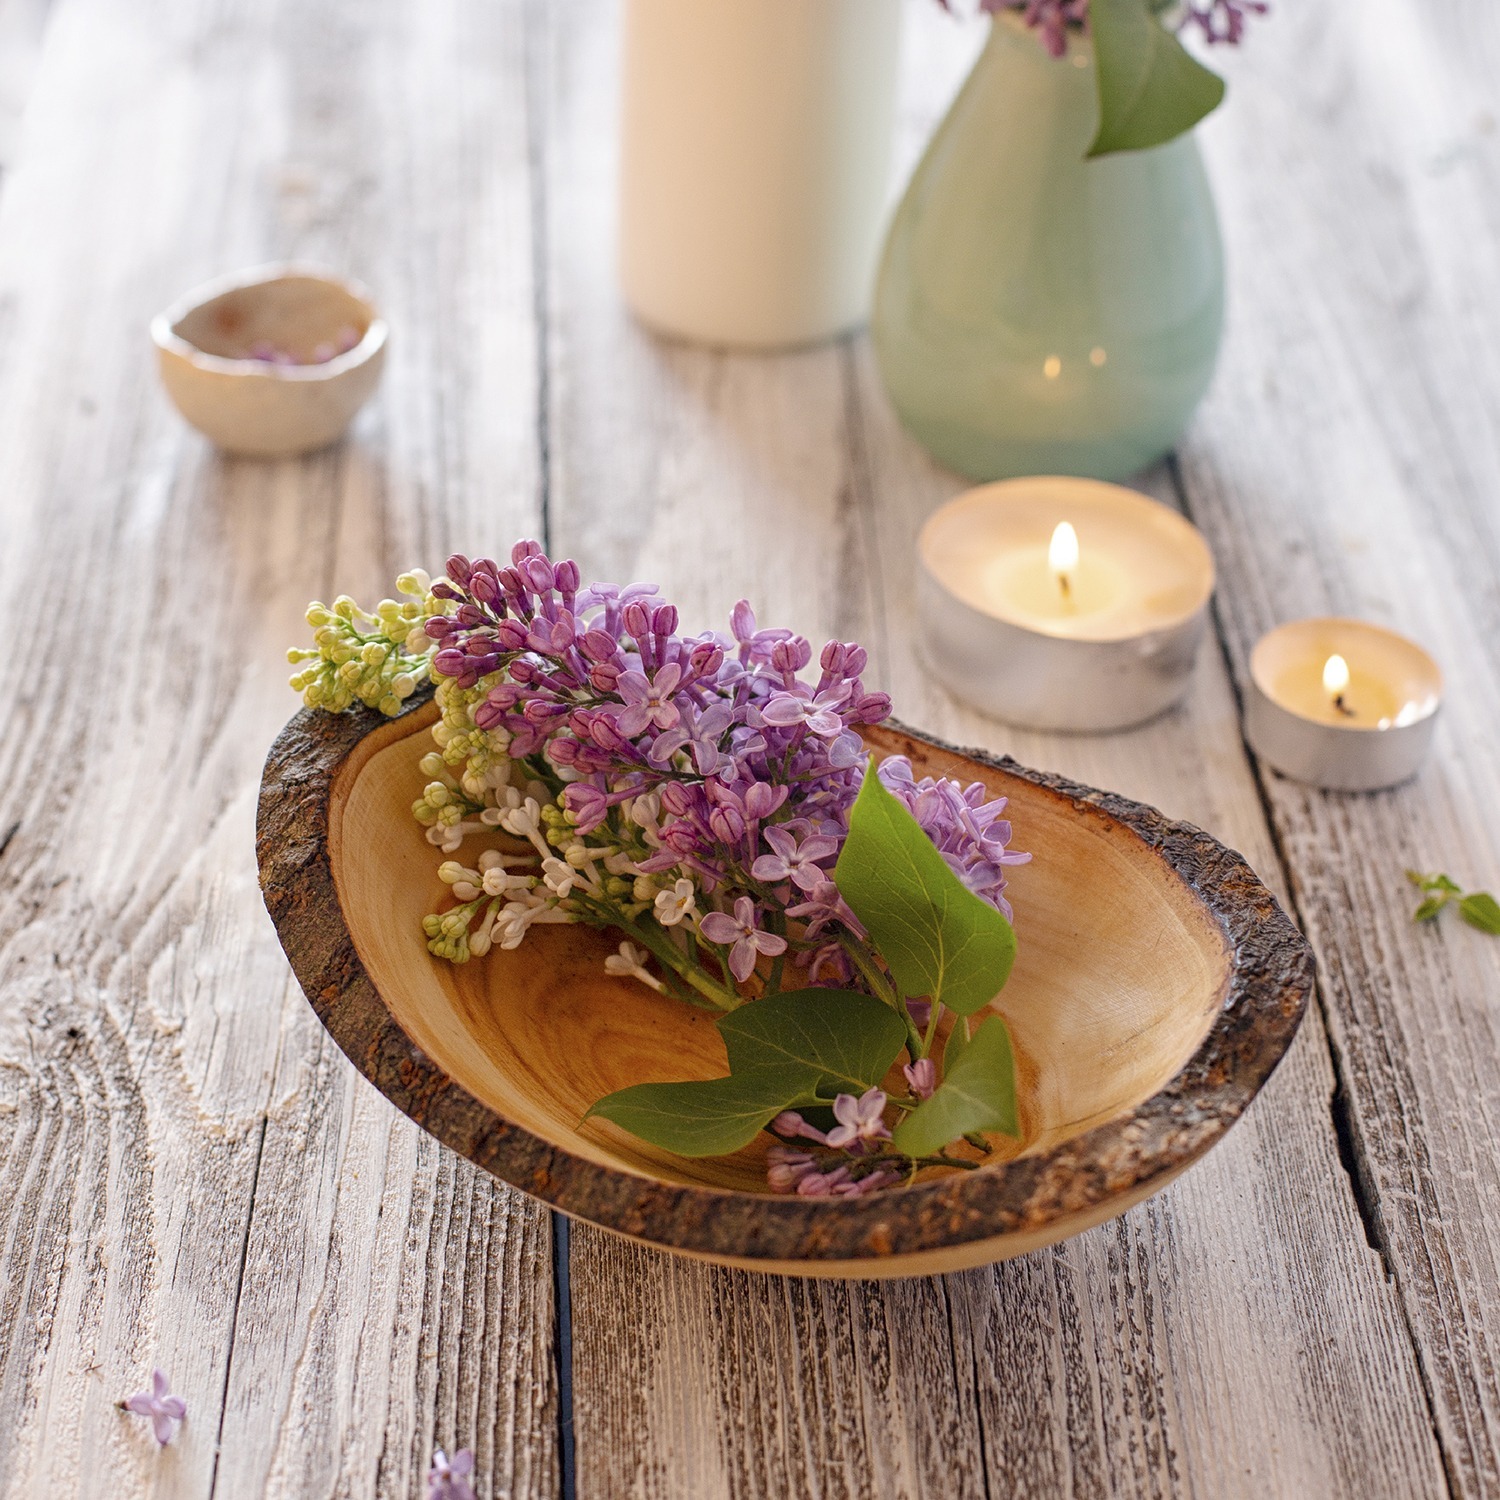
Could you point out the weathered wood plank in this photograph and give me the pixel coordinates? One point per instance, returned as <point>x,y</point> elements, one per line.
<point>1236,1335</point>
<point>1348,463</point>
<point>189,1172</point>
<point>22,23</point>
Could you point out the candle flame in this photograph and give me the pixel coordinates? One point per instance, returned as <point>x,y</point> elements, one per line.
<point>1062,551</point>
<point>1335,675</point>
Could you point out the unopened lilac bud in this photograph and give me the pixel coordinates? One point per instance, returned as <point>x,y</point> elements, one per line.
<point>485,587</point>
<point>439,628</point>
<point>856,659</point>
<point>706,658</point>
<point>449,662</point>
<point>664,619</point>
<point>510,635</point>
<point>606,734</point>
<point>459,568</point>
<point>565,576</point>
<point>742,621</point>
<point>523,549</point>
<point>597,645</point>
<point>677,799</point>
<point>792,655</point>
<point>727,824</point>
<point>763,799</point>
<point>637,619</point>
<point>832,659</point>
<point>537,571</point>
<point>921,1076</point>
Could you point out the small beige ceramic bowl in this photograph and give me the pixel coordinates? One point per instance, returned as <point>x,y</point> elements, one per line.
<point>271,361</point>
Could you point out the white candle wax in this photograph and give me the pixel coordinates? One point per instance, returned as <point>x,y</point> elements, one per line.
<point>1341,704</point>
<point>1140,567</point>
<point>1063,603</point>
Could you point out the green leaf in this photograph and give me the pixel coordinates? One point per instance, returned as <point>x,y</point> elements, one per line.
<point>1481,910</point>
<point>1429,909</point>
<point>978,1094</point>
<point>1151,89</point>
<point>709,1118</point>
<point>938,937</point>
<point>958,1040</point>
<point>790,1049</point>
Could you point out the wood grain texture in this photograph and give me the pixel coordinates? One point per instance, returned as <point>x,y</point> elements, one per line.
<point>1235,1337</point>
<point>189,1175</point>
<point>1348,463</point>
<point>1159,986</point>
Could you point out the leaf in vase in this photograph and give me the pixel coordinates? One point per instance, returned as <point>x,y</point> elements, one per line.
<point>937,936</point>
<point>978,1094</point>
<point>1151,89</point>
<point>1481,910</point>
<point>791,1049</point>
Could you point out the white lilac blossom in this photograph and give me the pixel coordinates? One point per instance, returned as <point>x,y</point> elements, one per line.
<point>448,1478</point>
<point>159,1404</point>
<point>690,793</point>
<point>630,963</point>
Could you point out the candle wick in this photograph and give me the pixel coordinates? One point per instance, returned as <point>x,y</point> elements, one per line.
<point>1067,588</point>
<point>1343,708</point>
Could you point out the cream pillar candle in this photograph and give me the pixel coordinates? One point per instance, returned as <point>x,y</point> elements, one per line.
<point>755,157</point>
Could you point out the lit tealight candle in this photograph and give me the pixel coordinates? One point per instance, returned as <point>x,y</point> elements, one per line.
<point>1341,704</point>
<point>1063,603</point>
<point>1062,556</point>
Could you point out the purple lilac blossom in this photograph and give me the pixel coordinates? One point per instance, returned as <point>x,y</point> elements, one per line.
<point>164,1409</point>
<point>448,1478</point>
<point>748,759</point>
<point>968,830</point>
<point>743,932</point>
<point>1218,20</point>
<point>859,1120</point>
<point>921,1077</point>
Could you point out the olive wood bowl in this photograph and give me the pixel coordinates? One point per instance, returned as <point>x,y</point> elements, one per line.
<point>1157,985</point>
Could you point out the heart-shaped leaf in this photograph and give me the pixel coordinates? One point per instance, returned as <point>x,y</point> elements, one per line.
<point>939,938</point>
<point>1481,910</point>
<point>979,1093</point>
<point>791,1049</point>
<point>1151,89</point>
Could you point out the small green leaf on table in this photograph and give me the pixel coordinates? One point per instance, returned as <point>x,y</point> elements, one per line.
<point>979,1093</point>
<point>787,1050</point>
<point>937,936</point>
<point>1481,910</point>
<point>1151,89</point>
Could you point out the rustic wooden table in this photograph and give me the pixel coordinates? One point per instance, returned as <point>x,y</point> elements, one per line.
<point>192,1175</point>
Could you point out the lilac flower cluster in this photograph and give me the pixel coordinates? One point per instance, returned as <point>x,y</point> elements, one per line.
<point>968,831</point>
<point>1218,20</point>
<point>691,793</point>
<point>1222,20</point>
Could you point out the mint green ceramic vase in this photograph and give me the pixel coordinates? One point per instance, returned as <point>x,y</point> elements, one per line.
<point>1036,312</point>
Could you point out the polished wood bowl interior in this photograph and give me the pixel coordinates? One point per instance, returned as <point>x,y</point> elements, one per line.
<point>1156,986</point>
